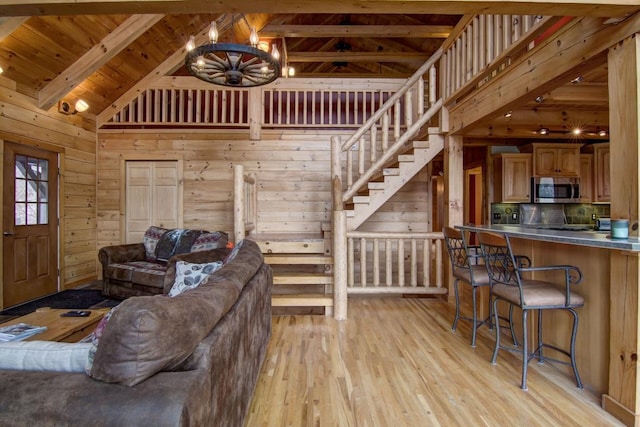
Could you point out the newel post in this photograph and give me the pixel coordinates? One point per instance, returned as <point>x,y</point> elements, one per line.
<point>339,234</point>
<point>238,203</point>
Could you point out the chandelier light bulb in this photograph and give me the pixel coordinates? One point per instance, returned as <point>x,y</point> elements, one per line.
<point>602,132</point>
<point>213,33</point>
<point>191,44</point>
<point>275,52</point>
<point>200,63</point>
<point>253,38</point>
<point>291,72</point>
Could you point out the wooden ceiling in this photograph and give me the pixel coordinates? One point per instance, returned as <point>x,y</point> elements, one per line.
<point>66,50</point>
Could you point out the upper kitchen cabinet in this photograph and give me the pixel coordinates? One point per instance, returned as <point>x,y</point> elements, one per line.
<point>602,172</point>
<point>512,177</point>
<point>555,159</point>
<point>586,178</point>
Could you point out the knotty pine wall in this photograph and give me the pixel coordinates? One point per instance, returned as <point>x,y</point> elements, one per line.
<point>22,122</point>
<point>292,168</point>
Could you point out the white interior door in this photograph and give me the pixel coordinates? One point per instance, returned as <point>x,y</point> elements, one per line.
<point>152,197</point>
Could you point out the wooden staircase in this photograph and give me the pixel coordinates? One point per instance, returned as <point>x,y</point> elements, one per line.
<point>382,187</point>
<point>302,271</point>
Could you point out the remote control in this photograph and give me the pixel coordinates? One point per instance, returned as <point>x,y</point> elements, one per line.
<point>76,313</point>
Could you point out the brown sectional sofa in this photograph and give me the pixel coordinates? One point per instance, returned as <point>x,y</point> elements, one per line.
<point>189,360</point>
<point>146,268</point>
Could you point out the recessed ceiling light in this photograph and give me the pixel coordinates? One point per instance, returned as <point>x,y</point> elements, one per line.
<point>543,131</point>
<point>602,132</point>
<point>508,114</point>
<point>576,131</point>
<point>539,99</point>
<point>577,80</point>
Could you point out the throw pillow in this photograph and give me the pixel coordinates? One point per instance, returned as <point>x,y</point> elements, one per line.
<point>234,252</point>
<point>207,241</point>
<point>94,339</point>
<point>44,356</point>
<point>150,241</point>
<point>189,276</point>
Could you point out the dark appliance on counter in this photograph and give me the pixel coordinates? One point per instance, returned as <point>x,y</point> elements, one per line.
<point>555,190</point>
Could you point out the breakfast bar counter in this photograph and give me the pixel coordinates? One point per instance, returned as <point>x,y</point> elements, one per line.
<point>607,345</point>
<point>596,239</point>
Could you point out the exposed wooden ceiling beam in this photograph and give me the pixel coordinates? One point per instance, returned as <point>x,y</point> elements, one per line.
<point>97,56</point>
<point>404,31</point>
<point>357,57</point>
<point>581,45</point>
<point>9,25</point>
<point>602,8</point>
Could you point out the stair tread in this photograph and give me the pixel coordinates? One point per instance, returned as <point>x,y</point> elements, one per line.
<point>300,300</point>
<point>298,259</point>
<point>302,279</point>
<point>286,237</point>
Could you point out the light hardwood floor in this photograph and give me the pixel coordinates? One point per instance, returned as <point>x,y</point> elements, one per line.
<point>396,362</point>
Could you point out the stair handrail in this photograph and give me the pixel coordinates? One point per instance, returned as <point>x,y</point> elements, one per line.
<point>389,103</point>
<point>392,151</point>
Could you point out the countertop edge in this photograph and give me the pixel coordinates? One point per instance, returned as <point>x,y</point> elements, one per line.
<point>582,238</point>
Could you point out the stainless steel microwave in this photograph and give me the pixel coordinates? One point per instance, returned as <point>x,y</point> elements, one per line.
<point>555,190</point>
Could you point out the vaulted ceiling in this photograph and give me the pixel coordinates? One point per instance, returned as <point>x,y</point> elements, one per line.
<point>65,50</point>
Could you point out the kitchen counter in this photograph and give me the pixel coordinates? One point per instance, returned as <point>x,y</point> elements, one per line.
<point>596,239</point>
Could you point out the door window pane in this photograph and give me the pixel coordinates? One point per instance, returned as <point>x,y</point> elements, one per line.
<point>31,191</point>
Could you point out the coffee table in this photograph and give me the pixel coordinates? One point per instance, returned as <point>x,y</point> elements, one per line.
<point>62,329</point>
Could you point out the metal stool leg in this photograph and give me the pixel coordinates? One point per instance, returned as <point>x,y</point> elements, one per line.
<point>475,316</point>
<point>574,332</point>
<point>455,319</point>
<point>525,354</point>
<point>538,352</point>
<point>497,320</point>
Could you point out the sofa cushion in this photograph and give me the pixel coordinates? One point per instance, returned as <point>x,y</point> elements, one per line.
<point>142,272</point>
<point>207,241</point>
<point>150,240</point>
<point>156,333</point>
<point>190,276</point>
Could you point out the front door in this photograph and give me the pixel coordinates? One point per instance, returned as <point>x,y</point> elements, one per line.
<point>30,223</point>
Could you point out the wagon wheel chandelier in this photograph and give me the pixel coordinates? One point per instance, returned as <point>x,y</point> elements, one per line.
<point>233,64</point>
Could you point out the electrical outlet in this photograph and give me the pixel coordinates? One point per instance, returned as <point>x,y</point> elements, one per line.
<point>496,216</point>
<point>593,217</point>
<point>514,216</point>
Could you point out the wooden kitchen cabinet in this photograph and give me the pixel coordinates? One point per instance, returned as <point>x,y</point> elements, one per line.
<point>512,177</point>
<point>586,178</point>
<point>602,173</point>
<point>555,159</point>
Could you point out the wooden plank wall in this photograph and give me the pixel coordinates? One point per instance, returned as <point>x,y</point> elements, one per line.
<point>292,169</point>
<point>22,122</point>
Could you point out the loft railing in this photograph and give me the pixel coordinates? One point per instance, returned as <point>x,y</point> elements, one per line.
<point>484,46</point>
<point>290,103</point>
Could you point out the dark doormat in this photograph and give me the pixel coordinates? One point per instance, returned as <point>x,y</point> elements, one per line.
<point>71,298</point>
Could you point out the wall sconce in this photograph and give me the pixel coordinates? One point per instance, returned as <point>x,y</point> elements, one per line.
<point>64,107</point>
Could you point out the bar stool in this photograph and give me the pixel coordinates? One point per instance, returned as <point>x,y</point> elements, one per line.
<point>507,284</point>
<point>467,266</point>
